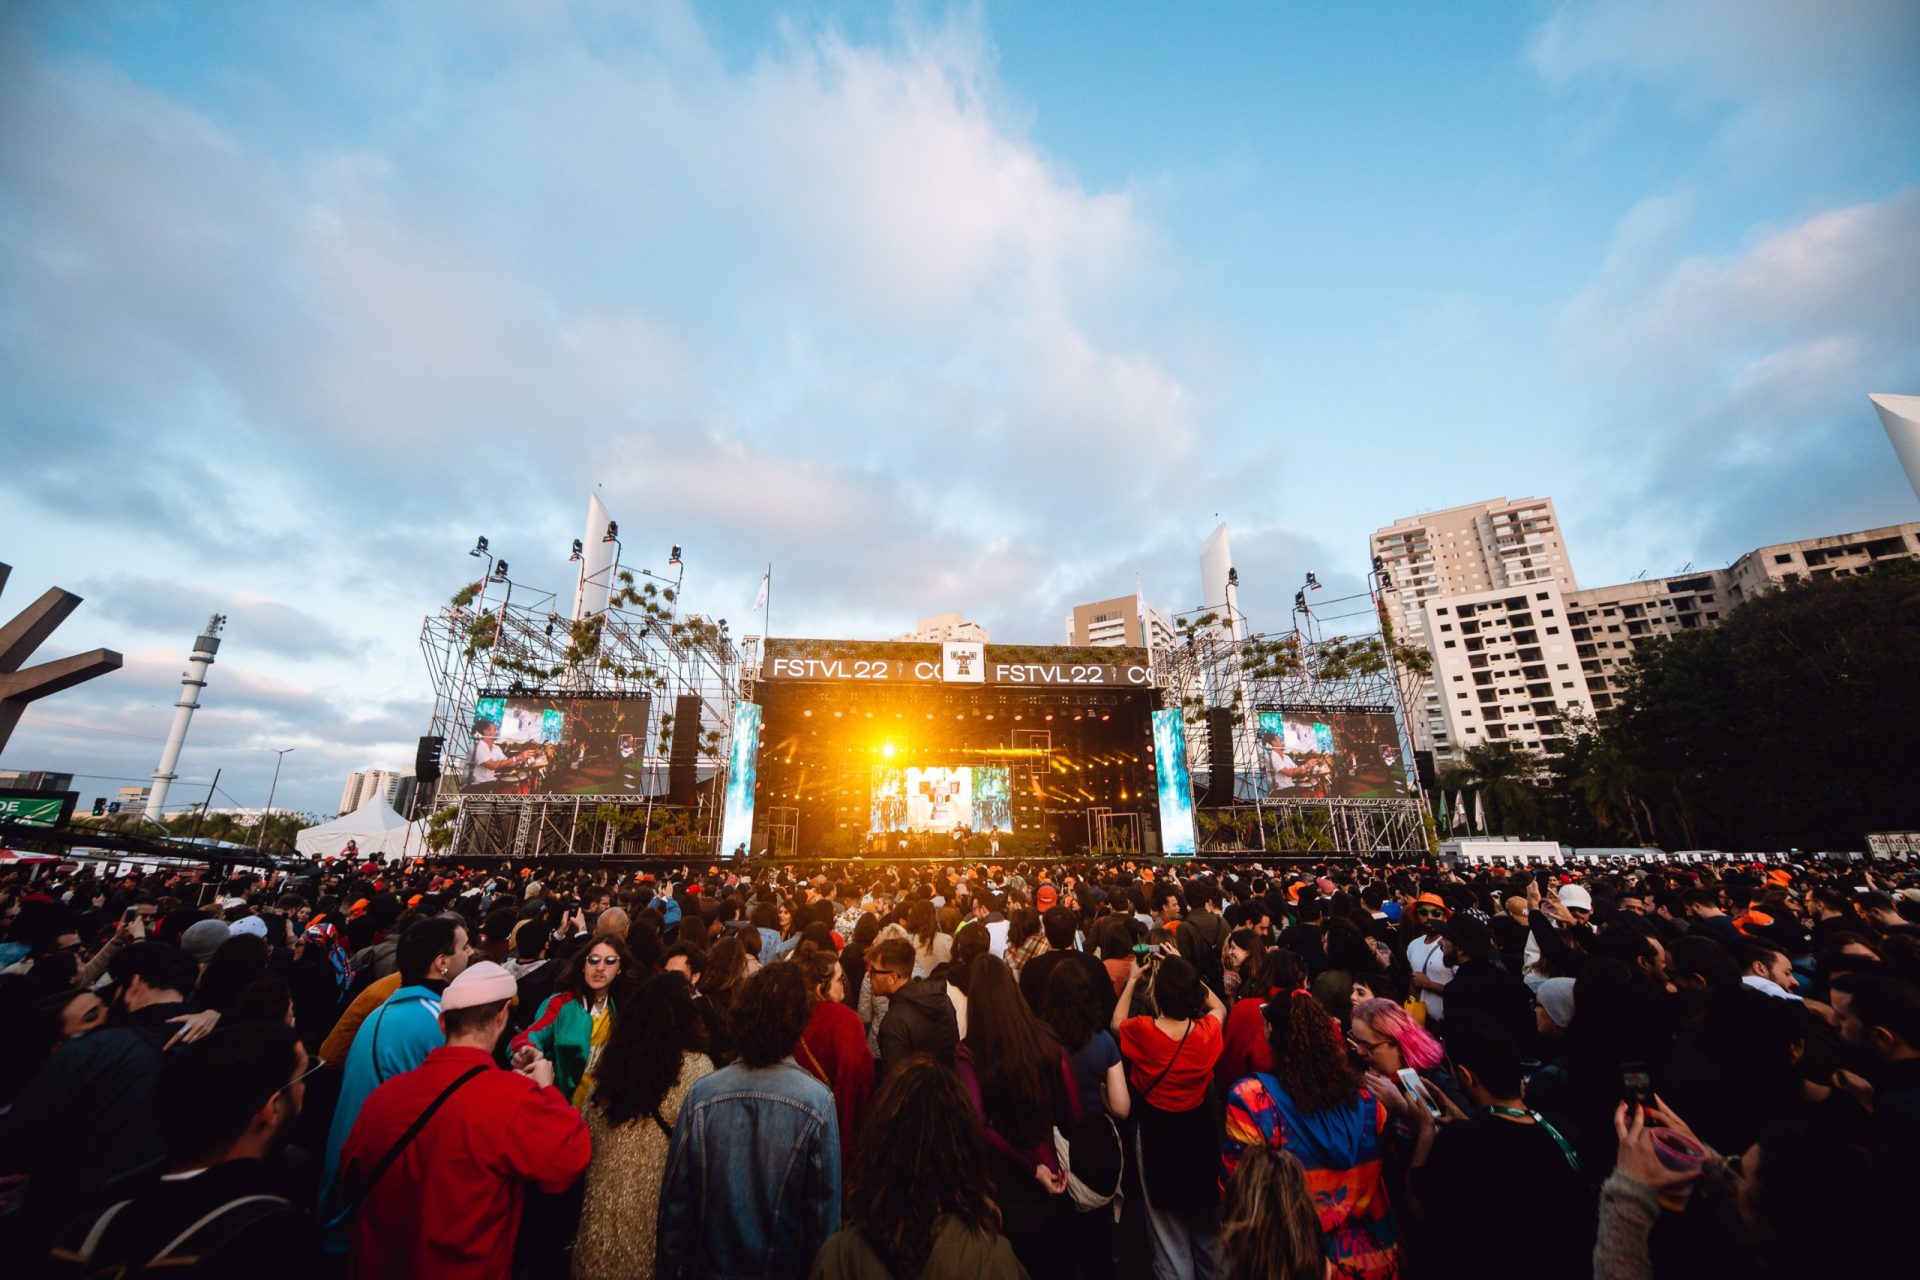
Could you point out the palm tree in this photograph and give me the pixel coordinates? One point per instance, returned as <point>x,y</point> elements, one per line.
<point>1500,776</point>
<point>1611,787</point>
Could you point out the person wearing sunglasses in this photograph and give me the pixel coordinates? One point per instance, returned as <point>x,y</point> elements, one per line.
<point>1425,956</point>
<point>575,1023</point>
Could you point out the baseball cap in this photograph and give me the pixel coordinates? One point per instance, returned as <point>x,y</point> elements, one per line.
<point>478,984</point>
<point>1574,897</point>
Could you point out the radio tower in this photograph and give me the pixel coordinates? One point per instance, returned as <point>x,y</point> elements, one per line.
<point>192,681</point>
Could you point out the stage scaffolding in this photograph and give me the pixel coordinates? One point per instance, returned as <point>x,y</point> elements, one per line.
<point>640,644</point>
<point>1207,670</point>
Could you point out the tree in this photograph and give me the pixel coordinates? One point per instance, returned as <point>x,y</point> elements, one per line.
<point>1788,726</point>
<point>1502,777</point>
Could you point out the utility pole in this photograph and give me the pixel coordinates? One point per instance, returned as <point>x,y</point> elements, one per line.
<point>205,805</point>
<point>279,754</point>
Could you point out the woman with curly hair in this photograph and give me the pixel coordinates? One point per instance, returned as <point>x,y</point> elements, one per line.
<point>654,1055</point>
<point>919,1203</point>
<point>1270,1230</point>
<point>575,1022</point>
<point>834,1048</point>
<point>1313,1105</point>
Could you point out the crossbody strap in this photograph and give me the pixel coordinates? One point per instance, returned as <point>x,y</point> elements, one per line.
<point>210,1217</point>
<point>413,1131</point>
<point>1146,1094</point>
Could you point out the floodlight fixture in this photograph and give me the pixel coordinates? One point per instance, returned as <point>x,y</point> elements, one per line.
<point>578,549</point>
<point>500,571</point>
<point>674,557</point>
<point>1313,583</point>
<point>613,531</point>
<point>1233,577</point>
<point>479,548</point>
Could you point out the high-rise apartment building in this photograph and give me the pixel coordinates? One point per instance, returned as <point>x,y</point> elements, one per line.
<point>1115,623</point>
<point>1483,549</point>
<point>366,783</point>
<point>1519,648</point>
<point>951,625</point>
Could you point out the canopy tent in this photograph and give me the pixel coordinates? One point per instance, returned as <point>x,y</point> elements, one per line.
<point>373,828</point>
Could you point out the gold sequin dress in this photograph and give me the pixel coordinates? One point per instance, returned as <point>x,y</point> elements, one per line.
<point>621,1207</point>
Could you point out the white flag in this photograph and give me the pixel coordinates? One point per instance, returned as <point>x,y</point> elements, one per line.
<point>760,601</point>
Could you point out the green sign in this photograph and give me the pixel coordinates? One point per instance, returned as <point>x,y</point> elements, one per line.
<point>35,811</point>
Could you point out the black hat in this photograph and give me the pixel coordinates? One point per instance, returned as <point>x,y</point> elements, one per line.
<point>1469,934</point>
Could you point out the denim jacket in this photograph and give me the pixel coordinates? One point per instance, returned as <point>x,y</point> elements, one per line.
<point>752,1186</point>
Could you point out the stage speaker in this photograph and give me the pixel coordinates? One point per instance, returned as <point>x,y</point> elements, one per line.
<point>1423,766</point>
<point>1219,757</point>
<point>426,759</point>
<point>683,757</point>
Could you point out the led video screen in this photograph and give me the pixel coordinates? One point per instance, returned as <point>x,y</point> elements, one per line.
<point>1318,754</point>
<point>556,745</point>
<point>736,825</point>
<point>942,799</point>
<point>1176,787</point>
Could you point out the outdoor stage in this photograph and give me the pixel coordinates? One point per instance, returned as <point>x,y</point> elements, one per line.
<point>925,750</point>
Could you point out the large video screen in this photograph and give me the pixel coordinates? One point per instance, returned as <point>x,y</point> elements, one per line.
<point>1319,754</point>
<point>1177,839</point>
<point>942,799</point>
<point>556,745</point>
<point>743,764</point>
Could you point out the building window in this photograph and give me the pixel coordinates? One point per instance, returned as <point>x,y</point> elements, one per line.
<point>1785,557</point>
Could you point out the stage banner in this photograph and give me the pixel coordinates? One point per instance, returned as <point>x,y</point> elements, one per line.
<point>1176,788</point>
<point>736,828</point>
<point>955,662</point>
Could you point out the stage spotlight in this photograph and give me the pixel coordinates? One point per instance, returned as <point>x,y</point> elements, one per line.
<point>674,558</point>
<point>479,547</point>
<point>808,712</point>
<point>1077,716</point>
<point>1016,715</point>
<point>500,571</point>
<point>1233,577</point>
<point>1049,715</point>
<point>886,749</point>
<point>1313,583</point>
<point>577,549</point>
<point>869,715</point>
<point>836,715</point>
<point>613,531</point>
<point>929,715</point>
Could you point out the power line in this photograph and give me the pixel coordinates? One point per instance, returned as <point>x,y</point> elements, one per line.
<point>91,728</point>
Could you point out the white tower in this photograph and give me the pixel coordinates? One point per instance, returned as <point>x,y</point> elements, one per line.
<point>1900,415</point>
<point>192,681</point>
<point>1220,585</point>
<point>596,563</point>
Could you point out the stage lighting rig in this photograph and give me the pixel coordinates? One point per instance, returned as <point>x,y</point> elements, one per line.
<point>500,571</point>
<point>578,550</point>
<point>1313,583</point>
<point>479,547</point>
<point>613,531</point>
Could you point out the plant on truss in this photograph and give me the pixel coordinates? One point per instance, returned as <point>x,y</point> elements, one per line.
<point>482,633</point>
<point>583,638</point>
<point>440,828</point>
<point>465,595</point>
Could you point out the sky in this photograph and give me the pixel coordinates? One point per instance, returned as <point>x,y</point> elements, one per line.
<point>993,307</point>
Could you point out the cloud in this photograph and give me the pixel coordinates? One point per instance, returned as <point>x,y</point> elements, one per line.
<point>1739,374</point>
<point>156,604</point>
<point>1834,74</point>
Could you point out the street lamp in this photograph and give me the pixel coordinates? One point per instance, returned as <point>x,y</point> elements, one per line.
<point>280,755</point>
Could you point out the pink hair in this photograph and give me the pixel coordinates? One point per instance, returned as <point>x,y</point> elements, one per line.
<point>1420,1050</point>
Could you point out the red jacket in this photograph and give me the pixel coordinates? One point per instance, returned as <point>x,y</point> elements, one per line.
<point>834,1052</point>
<point>450,1205</point>
<point>1245,1050</point>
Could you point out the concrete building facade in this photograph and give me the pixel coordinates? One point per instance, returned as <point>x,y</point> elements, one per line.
<point>365,783</point>
<point>1519,647</point>
<point>951,625</point>
<point>1115,623</point>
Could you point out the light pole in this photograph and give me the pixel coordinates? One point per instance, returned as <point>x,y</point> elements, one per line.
<point>279,755</point>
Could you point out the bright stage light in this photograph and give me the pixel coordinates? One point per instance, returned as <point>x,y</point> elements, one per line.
<point>886,749</point>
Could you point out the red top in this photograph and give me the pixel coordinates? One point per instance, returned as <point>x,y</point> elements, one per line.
<point>1148,1050</point>
<point>834,1051</point>
<point>450,1205</point>
<point>1246,1050</point>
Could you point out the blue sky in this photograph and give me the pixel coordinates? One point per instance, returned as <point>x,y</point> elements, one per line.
<point>984,307</point>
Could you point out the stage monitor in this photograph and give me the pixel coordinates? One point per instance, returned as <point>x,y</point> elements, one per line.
<point>941,799</point>
<point>1176,787</point>
<point>1326,753</point>
<point>558,744</point>
<point>736,826</point>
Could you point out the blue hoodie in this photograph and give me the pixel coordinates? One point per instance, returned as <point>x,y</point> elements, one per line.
<point>395,1038</point>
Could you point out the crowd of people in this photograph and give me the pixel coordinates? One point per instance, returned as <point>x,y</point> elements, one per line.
<point>1356,1070</point>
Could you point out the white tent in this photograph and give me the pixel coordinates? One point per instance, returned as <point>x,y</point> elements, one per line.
<point>373,828</point>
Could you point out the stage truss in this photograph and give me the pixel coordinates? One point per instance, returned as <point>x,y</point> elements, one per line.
<point>639,645</point>
<point>1207,669</point>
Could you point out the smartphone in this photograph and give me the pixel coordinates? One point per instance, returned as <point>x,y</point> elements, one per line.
<point>1415,1088</point>
<point>1636,1085</point>
<point>1142,948</point>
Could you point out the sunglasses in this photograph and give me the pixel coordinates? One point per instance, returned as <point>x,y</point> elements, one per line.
<point>315,1065</point>
<point>1429,912</point>
<point>598,960</point>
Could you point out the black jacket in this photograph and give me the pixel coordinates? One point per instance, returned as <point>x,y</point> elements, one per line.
<point>1483,986</point>
<point>87,1116</point>
<point>920,1019</point>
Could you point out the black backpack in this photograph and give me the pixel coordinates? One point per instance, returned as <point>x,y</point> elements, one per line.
<point>181,1256</point>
